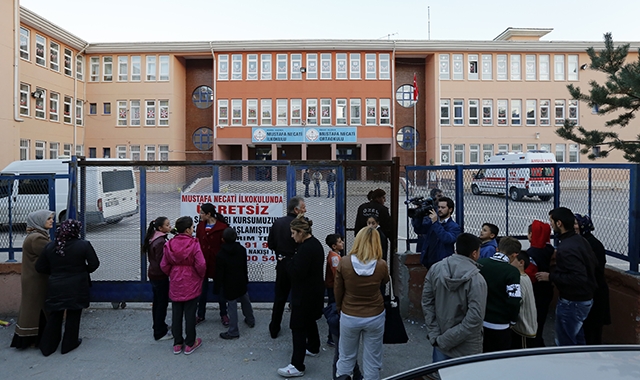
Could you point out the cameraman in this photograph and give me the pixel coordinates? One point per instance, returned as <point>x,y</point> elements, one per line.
<point>440,232</point>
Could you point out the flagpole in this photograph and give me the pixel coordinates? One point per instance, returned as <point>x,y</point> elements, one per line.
<point>415,128</point>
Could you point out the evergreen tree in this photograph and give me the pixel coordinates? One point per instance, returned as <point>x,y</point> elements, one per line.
<point>620,94</point>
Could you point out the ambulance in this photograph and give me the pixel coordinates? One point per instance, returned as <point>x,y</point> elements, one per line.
<point>534,181</point>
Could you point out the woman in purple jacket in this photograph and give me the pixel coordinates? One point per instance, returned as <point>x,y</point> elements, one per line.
<point>184,263</point>
<point>153,246</point>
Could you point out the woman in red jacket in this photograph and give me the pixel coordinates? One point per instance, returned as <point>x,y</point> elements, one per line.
<point>153,246</point>
<point>209,234</point>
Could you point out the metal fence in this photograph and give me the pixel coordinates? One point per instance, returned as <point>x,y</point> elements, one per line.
<point>606,192</point>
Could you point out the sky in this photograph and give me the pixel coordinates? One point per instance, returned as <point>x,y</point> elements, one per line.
<point>217,20</point>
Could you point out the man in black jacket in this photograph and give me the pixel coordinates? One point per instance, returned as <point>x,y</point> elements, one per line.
<point>375,207</point>
<point>574,277</point>
<point>284,246</point>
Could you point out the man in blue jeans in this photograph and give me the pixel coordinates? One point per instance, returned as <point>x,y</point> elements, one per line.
<point>574,277</point>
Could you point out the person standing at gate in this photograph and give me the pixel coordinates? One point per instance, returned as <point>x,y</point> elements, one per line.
<point>317,177</point>
<point>375,206</point>
<point>157,234</point>
<point>306,180</point>
<point>281,242</point>
<point>331,182</point>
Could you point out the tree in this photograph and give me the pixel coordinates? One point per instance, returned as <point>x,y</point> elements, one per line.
<point>620,94</point>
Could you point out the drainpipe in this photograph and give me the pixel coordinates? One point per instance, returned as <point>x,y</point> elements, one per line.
<point>16,61</point>
<point>73,106</point>
<point>214,105</point>
<point>393,101</point>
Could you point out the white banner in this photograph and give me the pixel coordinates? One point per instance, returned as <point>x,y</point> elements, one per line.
<point>250,214</point>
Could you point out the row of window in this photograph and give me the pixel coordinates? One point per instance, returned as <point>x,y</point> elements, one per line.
<point>156,112</point>
<point>316,112</point>
<point>40,108</point>
<point>509,112</point>
<point>129,68</point>
<point>310,66</point>
<point>478,156</point>
<point>53,56</point>
<point>40,150</point>
<point>509,67</point>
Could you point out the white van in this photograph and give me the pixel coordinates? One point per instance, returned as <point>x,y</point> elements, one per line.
<point>112,193</point>
<point>523,182</point>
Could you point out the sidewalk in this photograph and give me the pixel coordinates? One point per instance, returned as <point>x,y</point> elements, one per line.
<point>119,344</point>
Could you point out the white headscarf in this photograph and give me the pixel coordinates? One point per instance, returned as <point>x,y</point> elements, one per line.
<point>37,219</point>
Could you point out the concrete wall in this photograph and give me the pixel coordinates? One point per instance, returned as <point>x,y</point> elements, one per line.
<point>11,288</point>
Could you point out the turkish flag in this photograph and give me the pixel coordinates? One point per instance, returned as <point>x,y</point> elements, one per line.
<point>415,88</point>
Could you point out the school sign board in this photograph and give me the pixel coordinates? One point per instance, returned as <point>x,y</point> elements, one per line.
<point>307,135</point>
<point>250,214</point>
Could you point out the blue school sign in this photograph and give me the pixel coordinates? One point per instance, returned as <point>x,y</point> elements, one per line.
<point>308,135</point>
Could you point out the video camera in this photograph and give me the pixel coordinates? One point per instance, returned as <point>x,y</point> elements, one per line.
<point>421,207</point>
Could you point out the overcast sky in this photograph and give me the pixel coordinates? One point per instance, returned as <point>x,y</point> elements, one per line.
<point>207,20</point>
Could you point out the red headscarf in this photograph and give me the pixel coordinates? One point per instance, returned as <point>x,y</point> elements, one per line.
<point>540,234</point>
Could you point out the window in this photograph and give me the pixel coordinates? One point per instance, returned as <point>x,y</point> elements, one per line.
<point>458,112</point>
<point>40,145</point>
<point>296,64</point>
<point>93,108</point>
<point>282,66</point>
<point>134,113</point>
<point>121,151</point>
<point>150,113</point>
<point>79,150</point>
<point>487,112</point>
<point>341,111</point>
<point>458,72</point>
<point>236,112</point>
<point>54,105</point>
<point>202,97</point>
<point>40,112</point>
<point>503,148</point>
<point>574,155</point>
<point>54,57</point>
<point>572,68</point>
<point>473,112</point>
<point>265,109</point>
<point>473,66</point>
<point>573,111</point>
<point>79,112</point>
<point>325,66</point>
<point>558,67</point>
<point>385,71</point>
<point>474,153</point>
<point>487,67</point>
<point>544,67</point>
<point>501,68</point>
<point>530,67</point>
<point>444,66</point>
<point>94,75</point>
<point>54,148</point>
<point>151,67</point>
<point>445,111</point>
<point>122,112</point>
<point>502,112</point>
<point>516,147</point>
<point>25,91</point>
<point>487,151</point>
<point>515,67</point>
<point>134,151</point>
<point>371,118</point>
<point>24,149</point>
<point>445,154</point>
<point>265,67</point>
<point>106,152</point>
<point>312,66</point>
<point>544,112</point>
<point>341,66</point>
<point>458,154</point>
<point>164,67</point>
<point>202,138</point>
<point>370,63</point>
<point>223,112</point>
<point>150,152</point>
<point>66,110</point>
<point>252,70</point>
<point>531,112</point>
<point>312,111</point>
<point>236,67</point>
<point>123,68</point>
<point>404,96</point>
<point>252,111</point>
<point>107,68</point>
<point>356,109</point>
<point>163,151</point>
<point>281,112</point>
<point>41,53</point>
<point>325,111</point>
<point>354,66</point>
<point>559,114</point>
<point>92,152</point>
<point>67,62</point>
<point>296,111</point>
<point>532,147</point>
<point>136,69</point>
<point>24,43</point>
<point>516,112</point>
<point>385,111</point>
<point>80,67</point>
<point>66,150</point>
<point>545,147</point>
<point>560,152</point>
<point>106,108</point>
<point>163,113</point>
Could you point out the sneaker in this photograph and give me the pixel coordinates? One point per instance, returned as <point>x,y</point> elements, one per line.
<point>290,371</point>
<point>251,325</point>
<point>177,349</point>
<point>188,350</point>
<point>225,320</point>
<point>199,320</point>
<point>226,335</point>
<point>167,336</point>
<point>309,353</point>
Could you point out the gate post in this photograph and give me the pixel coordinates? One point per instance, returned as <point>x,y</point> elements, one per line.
<point>143,221</point>
<point>341,212</point>
<point>291,181</point>
<point>634,218</point>
<point>72,197</point>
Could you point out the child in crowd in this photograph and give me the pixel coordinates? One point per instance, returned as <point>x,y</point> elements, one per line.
<point>184,263</point>
<point>540,253</point>
<point>233,276</point>
<point>488,240</point>
<point>527,323</point>
<point>153,246</point>
<point>336,245</point>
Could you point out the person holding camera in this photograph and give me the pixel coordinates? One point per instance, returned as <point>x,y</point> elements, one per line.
<point>439,229</point>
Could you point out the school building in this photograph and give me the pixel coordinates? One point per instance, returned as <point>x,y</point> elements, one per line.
<point>288,99</point>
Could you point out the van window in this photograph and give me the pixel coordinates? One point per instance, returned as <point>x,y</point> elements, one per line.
<point>5,187</point>
<point>33,186</point>
<point>117,181</point>
<point>542,172</point>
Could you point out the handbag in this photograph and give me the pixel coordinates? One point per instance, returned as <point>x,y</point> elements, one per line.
<point>394,331</point>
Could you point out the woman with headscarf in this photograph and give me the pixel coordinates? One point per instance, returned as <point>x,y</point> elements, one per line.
<point>68,261</point>
<point>600,313</point>
<point>31,320</point>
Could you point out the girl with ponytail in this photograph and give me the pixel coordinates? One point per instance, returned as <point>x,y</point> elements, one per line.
<point>153,246</point>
